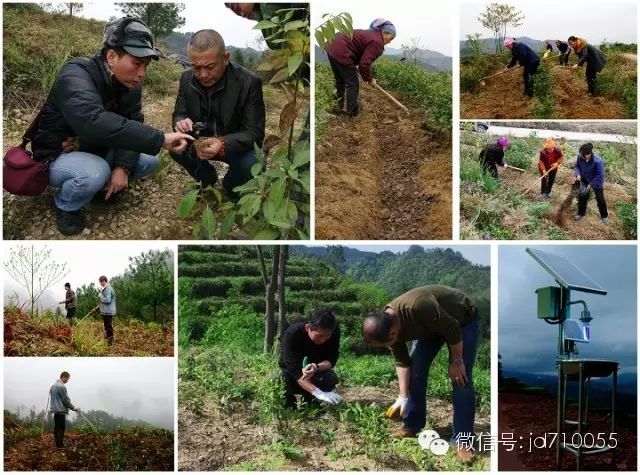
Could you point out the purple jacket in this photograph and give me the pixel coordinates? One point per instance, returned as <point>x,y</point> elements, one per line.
<point>591,172</point>
<point>362,49</point>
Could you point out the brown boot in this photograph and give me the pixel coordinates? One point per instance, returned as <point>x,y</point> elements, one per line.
<point>403,433</point>
<point>464,455</point>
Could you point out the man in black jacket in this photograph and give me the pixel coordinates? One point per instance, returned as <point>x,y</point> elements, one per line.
<point>591,55</point>
<point>309,353</point>
<point>525,57</point>
<point>91,128</point>
<point>225,101</point>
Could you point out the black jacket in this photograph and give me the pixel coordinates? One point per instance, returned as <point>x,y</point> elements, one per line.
<point>87,102</point>
<point>492,155</point>
<point>235,109</point>
<point>594,58</point>
<point>296,344</point>
<point>523,55</point>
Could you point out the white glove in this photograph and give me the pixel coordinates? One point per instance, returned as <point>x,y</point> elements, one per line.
<point>329,397</point>
<point>397,407</point>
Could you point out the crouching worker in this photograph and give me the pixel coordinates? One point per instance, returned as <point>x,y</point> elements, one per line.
<point>310,350</point>
<point>91,129</point>
<point>222,101</point>
<point>429,317</point>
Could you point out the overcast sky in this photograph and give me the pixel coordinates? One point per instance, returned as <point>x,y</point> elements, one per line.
<point>135,388</point>
<point>199,14</point>
<point>86,262</point>
<point>528,344</point>
<point>595,21</point>
<point>476,254</point>
<point>431,22</point>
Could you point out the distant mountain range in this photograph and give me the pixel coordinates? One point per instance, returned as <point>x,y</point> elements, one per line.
<point>488,44</point>
<point>427,59</point>
<point>175,46</point>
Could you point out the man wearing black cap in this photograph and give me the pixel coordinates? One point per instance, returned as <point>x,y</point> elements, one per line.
<point>225,101</point>
<point>91,129</point>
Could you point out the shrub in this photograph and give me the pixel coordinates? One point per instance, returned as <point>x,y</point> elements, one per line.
<point>520,154</point>
<point>628,213</point>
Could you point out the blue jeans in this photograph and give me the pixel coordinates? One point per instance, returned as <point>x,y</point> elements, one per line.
<point>78,176</point>
<point>203,171</point>
<point>423,353</point>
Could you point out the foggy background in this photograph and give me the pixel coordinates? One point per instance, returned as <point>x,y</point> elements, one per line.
<point>134,388</point>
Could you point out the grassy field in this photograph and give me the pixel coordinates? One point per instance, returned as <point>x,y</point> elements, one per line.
<point>230,396</point>
<point>47,335</point>
<point>499,209</point>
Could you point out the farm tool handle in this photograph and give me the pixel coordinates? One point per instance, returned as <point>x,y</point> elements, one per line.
<point>501,72</point>
<point>515,168</point>
<point>89,422</point>
<point>46,411</point>
<point>393,99</point>
<point>538,180</point>
<point>90,312</point>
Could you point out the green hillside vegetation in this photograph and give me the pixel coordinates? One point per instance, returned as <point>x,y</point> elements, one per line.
<point>229,386</point>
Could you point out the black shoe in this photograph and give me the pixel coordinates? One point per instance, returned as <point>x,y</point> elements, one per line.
<point>70,222</point>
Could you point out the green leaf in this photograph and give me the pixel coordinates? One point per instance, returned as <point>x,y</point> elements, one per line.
<point>249,206</point>
<point>320,39</point>
<point>187,203</point>
<point>292,212</point>
<point>227,224</point>
<point>295,60</point>
<point>256,168</point>
<point>295,25</point>
<point>276,192</point>
<point>208,223</point>
<point>217,194</point>
<point>264,25</point>
<point>251,185</point>
<point>267,234</point>
<point>301,158</point>
<point>304,179</point>
<point>304,236</point>
<point>329,31</point>
<point>280,76</point>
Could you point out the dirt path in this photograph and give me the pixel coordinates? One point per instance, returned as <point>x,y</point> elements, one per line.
<point>382,175</point>
<point>222,438</point>
<point>502,98</point>
<point>562,215</point>
<point>144,211</point>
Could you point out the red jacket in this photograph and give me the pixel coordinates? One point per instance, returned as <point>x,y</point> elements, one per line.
<point>360,50</point>
<point>549,159</point>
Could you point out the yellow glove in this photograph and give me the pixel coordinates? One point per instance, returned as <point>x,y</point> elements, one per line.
<point>397,408</point>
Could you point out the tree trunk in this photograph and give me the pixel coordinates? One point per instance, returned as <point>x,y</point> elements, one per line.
<point>282,305</point>
<point>269,317</point>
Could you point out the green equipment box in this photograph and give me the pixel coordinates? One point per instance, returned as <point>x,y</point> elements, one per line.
<point>548,302</point>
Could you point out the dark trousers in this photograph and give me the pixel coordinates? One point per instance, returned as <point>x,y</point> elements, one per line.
<point>107,320</point>
<point>564,58</point>
<point>590,74</point>
<point>71,313</point>
<point>347,83</point>
<point>602,204</point>
<point>325,380</point>
<point>528,72</point>
<point>491,168</point>
<point>59,420</point>
<point>201,170</point>
<point>547,182</point>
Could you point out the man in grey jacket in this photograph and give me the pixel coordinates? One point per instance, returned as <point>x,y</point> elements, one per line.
<point>60,405</point>
<point>107,307</point>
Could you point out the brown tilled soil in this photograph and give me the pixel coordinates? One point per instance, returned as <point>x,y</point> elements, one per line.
<point>564,208</point>
<point>216,440</point>
<point>502,98</point>
<point>27,336</point>
<point>145,210</point>
<point>382,175</point>
<point>524,414</point>
<point>131,451</point>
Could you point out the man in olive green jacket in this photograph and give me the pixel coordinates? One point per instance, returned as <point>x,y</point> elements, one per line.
<point>428,317</point>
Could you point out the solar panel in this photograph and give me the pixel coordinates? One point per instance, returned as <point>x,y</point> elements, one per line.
<point>565,273</point>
